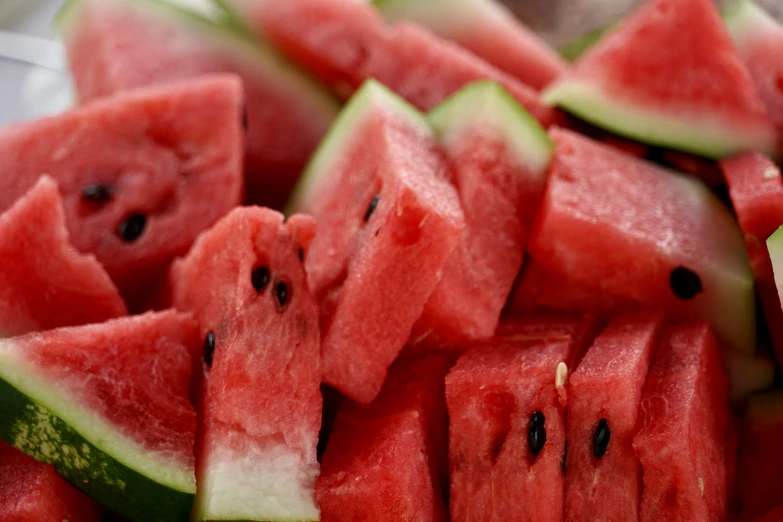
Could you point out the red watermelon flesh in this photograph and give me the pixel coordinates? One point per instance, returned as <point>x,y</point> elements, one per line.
<point>756,191</point>
<point>603,475</point>
<point>776,515</point>
<point>683,427</point>
<point>388,221</point>
<point>641,233</point>
<point>669,75</point>
<point>246,285</point>
<point>141,173</point>
<point>46,283</point>
<point>760,459</point>
<point>33,492</point>
<point>344,43</point>
<point>501,396</point>
<point>110,47</point>
<point>387,462</point>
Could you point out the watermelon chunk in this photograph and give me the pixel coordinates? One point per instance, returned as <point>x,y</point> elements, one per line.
<point>245,283</point>
<point>110,44</point>
<point>684,423</point>
<point>33,492</point>
<point>759,40</point>
<point>760,458</point>
<point>756,191</point>
<point>669,75</point>
<point>499,155</point>
<point>388,222</point>
<point>641,233</point>
<point>138,173</point>
<point>603,475</point>
<point>46,283</point>
<point>345,42</point>
<point>405,428</point>
<point>107,405</point>
<point>487,29</point>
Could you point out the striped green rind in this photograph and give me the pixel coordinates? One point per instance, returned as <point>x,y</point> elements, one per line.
<point>775,248</point>
<point>572,50</point>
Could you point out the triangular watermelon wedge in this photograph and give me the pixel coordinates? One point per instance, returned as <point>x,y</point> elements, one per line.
<point>45,282</point>
<point>108,406</point>
<point>669,75</point>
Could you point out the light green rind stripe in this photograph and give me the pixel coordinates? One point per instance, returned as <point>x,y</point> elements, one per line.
<point>775,248</point>
<point>34,429</point>
<point>747,22</point>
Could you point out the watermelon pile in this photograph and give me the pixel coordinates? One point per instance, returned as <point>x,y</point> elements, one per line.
<point>395,260</point>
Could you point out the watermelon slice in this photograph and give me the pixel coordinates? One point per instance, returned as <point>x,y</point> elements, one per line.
<point>507,427</point>
<point>32,492</point>
<point>487,29</point>
<point>138,173</point>
<point>405,429</point>
<point>46,283</point>
<point>345,42</point>
<point>388,222</point>
<point>760,457</point>
<point>110,42</point>
<point>107,405</point>
<point>681,441</point>
<point>643,234</point>
<point>756,190</point>
<point>603,478</point>
<point>499,155</point>
<point>669,76</point>
<point>759,40</point>
<point>245,283</point>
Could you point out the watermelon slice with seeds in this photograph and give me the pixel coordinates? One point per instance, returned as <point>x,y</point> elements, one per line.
<point>603,476</point>
<point>487,29</point>
<point>683,427</point>
<point>117,45</point>
<point>46,282</point>
<point>499,155</point>
<point>261,403</point>
<point>669,75</point>
<point>141,174</point>
<point>388,222</point>
<point>345,42</point>
<point>107,405</point>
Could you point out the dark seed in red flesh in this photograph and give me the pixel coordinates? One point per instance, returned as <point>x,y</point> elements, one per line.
<point>601,438</point>
<point>260,278</point>
<point>685,283</point>
<point>281,292</point>
<point>371,208</point>
<point>536,435</point>
<point>97,193</point>
<point>132,227</point>
<point>209,348</point>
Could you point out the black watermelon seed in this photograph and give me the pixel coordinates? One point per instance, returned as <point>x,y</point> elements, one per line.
<point>372,207</point>
<point>684,283</point>
<point>565,457</point>
<point>260,278</point>
<point>536,435</point>
<point>601,438</point>
<point>245,122</point>
<point>300,253</point>
<point>132,227</point>
<point>97,193</point>
<point>281,292</point>
<point>209,348</point>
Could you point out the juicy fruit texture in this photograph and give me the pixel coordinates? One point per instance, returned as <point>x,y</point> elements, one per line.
<point>683,416</point>
<point>107,405</point>
<point>344,43</point>
<point>640,233</point>
<point>33,492</point>
<point>603,478</point>
<point>137,173</point>
<point>507,430</point>
<point>261,404</point>
<point>756,191</point>
<point>759,41</point>
<point>387,462</point>
<point>110,45</point>
<point>46,283</point>
<point>388,222</point>
<point>487,29</point>
<point>499,156</point>
<point>669,76</point>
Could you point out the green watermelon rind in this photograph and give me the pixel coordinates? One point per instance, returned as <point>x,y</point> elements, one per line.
<point>235,41</point>
<point>39,419</point>
<point>486,103</point>
<point>344,131</point>
<point>571,51</point>
<point>747,21</point>
<point>708,138</point>
<point>461,15</point>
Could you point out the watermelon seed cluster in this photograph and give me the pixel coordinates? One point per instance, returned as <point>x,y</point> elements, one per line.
<point>685,283</point>
<point>601,438</point>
